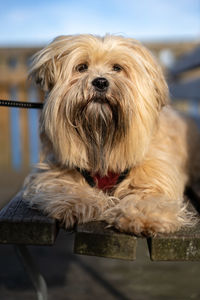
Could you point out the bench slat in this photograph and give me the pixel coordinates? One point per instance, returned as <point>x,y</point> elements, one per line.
<point>187,62</point>
<point>185,90</point>
<point>183,245</point>
<point>180,246</point>
<point>95,239</point>
<point>19,224</point>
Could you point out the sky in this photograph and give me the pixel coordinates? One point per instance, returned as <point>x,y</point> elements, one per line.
<point>24,22</point>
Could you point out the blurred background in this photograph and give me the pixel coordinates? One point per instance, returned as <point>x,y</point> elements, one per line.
<point>170,29</point>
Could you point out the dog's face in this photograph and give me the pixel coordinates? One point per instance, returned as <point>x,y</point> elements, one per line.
<point>104,98</point>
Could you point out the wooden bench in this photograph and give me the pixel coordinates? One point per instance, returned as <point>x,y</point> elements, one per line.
<point>21,225</point>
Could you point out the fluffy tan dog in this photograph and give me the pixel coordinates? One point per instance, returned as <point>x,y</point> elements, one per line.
<point>106,118</point>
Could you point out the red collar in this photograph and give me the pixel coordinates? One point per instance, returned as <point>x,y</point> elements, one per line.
<point>105,183</point>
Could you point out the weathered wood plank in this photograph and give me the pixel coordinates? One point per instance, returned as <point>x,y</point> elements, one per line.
<point>183,245</point>
<point>185,90</point>
<point>187,62</point>
<point>24,126</point>
<point>19,224</point>
<point>5,130</point>
<point>95,239</point>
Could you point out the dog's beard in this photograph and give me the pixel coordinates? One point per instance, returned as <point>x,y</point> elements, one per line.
<point>100,123</point>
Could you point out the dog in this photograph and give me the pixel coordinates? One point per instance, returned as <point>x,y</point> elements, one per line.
<point>112,147</point>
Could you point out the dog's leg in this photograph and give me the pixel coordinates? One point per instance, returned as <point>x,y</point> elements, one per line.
<point>150,203</point>
<point>65,196</point>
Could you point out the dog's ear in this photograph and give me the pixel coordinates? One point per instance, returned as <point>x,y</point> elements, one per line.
<point>160,86</point>
<point>43,70</point>
<point>152,72</point>
<point>45,64</point>
<point>161,92</point>
<point>158,80</point>
<point>156,77</point>
<point>43,74</point>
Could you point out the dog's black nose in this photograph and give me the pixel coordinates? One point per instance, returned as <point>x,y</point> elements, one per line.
<point>100,83</point>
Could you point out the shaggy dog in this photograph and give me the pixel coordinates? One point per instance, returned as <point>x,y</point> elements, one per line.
<point>113,149</point>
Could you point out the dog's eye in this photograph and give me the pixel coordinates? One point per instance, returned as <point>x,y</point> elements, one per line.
<point>117,68</point>
<point>82,68</point>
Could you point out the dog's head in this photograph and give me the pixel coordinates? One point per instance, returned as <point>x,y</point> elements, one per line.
<point>104,98</point>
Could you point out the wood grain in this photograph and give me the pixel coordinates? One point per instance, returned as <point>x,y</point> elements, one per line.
<point>19,224</point>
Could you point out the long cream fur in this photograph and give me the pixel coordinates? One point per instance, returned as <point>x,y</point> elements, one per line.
<point>130,126</point>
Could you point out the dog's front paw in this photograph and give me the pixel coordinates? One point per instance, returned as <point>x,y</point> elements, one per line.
<point>145,226</point>
<point>138,218</point>
<point>78,212</point>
